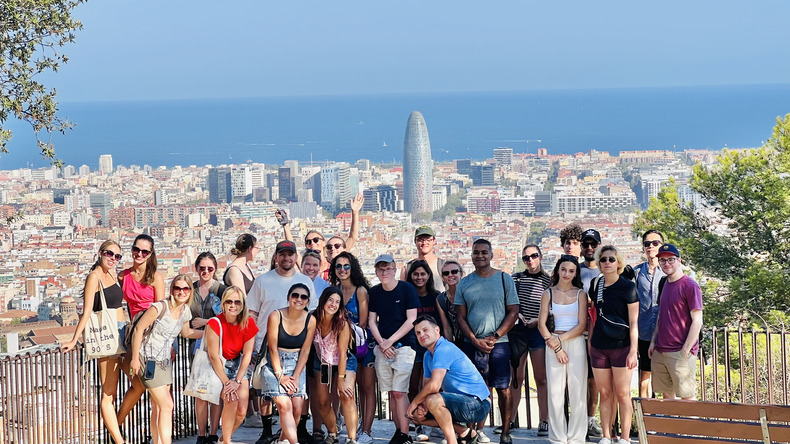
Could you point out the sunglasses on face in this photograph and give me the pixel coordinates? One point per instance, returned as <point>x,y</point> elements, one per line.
<point>448,272</point>
<point>527,257</point>
<point>301,296</point>
<point>143,253</point>
<point>314,240</point>
<point>342,267</point>
<point>111,255</point>
<point>669,260</point>
<point>335,246</point>
<point>654,243</point>
<point>209,269</point>
<point>233,302</point>
<point>590,245</point>
<point>610,259</point>
<point>176,289</point>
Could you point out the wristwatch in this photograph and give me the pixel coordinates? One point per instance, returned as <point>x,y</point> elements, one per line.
<point>496,335</point>
<point>341,376</point>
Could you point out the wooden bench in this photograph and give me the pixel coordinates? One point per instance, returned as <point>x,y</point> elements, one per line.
<point>696,422</point>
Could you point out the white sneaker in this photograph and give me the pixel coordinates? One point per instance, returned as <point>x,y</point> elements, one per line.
<point>481,437</point>
<point>364,438</point>
<point>605,441</point>
<point>623,441</point>
<point>422,436</point>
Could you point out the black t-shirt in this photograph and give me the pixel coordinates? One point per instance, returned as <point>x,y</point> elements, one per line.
<point>391,306</point>
<point>614,305</point>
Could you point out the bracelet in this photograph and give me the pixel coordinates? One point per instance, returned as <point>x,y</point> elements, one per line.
<point>278,372</point>
<point>558,349</point>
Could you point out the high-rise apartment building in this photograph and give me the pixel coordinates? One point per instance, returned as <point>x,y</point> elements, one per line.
<point>463,166</point>
<point>286,181</point>
<point>335,186</point>
<point>241,184</point>
<point>105,164</point>
<point>417,166</point>
<point>380,198</point>
<point>482,175</point>
<point>103,203</point>
<point>503,157</point>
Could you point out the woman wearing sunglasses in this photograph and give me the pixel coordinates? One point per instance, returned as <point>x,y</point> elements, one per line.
<point>613,340</point>
<point>566,354</point>
<point>151,360</point>
<point>102,276</point>
<point>232,334</point>
<point>346,274</point>
<point>289,336</point>
<point>334,367</point>
<point>206,303</point>
<point>142,286</point>
<point>452,272</point>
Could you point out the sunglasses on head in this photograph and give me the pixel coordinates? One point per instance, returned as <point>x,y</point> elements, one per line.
<point>314,240</point>
<point>590,245</point>
<point>203,268</point>
<point>610,259</point>
<point>233,302</point>
<point>335,246</point>
<point>301,296</point>
<point>527,257</point>
<point>448,272</point>
<point>310,250</point>
<point>176,289</point>
<point>110,255</point>
<point>343,266</point>
<point>654,243</point>
<point>143,253</point>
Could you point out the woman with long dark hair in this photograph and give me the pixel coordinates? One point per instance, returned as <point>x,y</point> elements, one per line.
<point>613,340</point>
<point>289,334</point>
<point>206,303</point>
<point>566,357</point>
<point>346,274</point>
<point>232,335</point>
<point>142,286</point>
<point>150,354</point>
<point>239,272</point>
<point>335,367</point>
<point>102,276</point>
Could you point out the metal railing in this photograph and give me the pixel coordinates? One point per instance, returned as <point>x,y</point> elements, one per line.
<point>51,397</point>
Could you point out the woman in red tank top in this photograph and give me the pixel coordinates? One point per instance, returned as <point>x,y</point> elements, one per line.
<point>142,286</point>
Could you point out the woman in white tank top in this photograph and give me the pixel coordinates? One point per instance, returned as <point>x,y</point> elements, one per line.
<point>566,351</point>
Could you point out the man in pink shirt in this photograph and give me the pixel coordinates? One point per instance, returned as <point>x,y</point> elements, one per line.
<point>673,349</point>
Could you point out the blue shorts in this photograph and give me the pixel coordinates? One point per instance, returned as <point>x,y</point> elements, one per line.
<point>494,366</point>
<point>271,387</point>
<point>466,408</point>
<point>523,339</point>
<point>232,368</point>
<point>122,332</point>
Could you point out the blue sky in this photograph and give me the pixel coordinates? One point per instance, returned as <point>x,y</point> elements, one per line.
<point>147,49</point>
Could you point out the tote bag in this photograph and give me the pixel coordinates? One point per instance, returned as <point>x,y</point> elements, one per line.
<point>203,381</point>
<point>100,337</point>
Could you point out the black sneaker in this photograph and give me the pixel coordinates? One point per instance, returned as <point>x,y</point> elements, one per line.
<point>318,437</point>
<point>406,438</point>
<point>498,429</point>
<point>201,440</point>
<point>505,439</point>
<point>212,439</point>
<point>543,429</point>
<point>265,438</point>
<point>302,435</point>
<point>470,438</point>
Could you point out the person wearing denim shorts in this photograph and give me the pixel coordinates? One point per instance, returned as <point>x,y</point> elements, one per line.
<point>464,394</point>
<point>487,306</point>
<point>397,302</point>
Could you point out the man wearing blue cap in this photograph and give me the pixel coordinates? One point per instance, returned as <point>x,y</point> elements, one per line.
<point>673,349</point>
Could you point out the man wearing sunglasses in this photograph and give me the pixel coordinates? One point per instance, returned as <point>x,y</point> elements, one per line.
<point>270,292</point>
<point>591,239</point>
<point>425,240</point>
<point>647,276</point>
<point>675,342</point>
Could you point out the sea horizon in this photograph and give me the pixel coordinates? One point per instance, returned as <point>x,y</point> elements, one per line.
<point>371,126</point>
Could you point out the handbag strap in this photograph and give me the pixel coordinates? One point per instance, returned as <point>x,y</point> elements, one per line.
<point>203,343</point>
<point>101,295</point>
<point>551,298</point>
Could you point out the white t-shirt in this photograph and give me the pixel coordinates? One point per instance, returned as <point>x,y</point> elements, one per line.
<point>270,292</point>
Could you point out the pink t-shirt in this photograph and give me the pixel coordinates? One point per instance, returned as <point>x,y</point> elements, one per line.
<point>678,299</point>
<point>138,296</point>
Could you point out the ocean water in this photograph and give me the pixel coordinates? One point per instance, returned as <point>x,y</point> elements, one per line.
<point>462,125</point>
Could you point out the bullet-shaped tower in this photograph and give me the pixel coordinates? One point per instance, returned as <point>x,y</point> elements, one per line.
<point>417,166</point>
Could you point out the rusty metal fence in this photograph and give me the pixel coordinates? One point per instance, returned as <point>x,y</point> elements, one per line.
<point>51,397</point>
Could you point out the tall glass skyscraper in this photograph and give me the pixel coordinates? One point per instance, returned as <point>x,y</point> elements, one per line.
<point>417,166</point>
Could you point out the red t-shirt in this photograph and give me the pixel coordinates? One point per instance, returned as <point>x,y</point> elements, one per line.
<point>233,337</point>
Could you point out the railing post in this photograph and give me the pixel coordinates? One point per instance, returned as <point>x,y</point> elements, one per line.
<point>769,364</point>
<point>715,364</point>
<point>742,367</point>
<point>727,379</point>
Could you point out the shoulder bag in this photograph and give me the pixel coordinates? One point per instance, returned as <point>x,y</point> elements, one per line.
<point>611,326</point>
<point>100,337</point>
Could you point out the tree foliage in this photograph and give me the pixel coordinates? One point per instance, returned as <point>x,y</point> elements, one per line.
<point>747,247</point>
<point>31,35</point>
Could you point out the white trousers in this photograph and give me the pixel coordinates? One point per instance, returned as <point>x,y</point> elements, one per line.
<point>572,375</point>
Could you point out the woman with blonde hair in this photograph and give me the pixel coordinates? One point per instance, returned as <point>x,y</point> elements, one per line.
<point>102,279</point>
<point>150,356</point>
<point>232,336</point>
<point>613,340</point>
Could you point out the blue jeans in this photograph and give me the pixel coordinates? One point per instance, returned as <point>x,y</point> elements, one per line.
<point>466,408</point>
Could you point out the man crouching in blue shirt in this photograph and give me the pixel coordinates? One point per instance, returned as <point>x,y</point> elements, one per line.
<point>464,395</point>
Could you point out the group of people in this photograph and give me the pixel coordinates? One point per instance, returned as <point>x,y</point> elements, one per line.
<point>311,333</point>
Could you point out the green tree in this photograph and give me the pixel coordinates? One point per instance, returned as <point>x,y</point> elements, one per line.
<point>31,35</point>
<point>748,249</point>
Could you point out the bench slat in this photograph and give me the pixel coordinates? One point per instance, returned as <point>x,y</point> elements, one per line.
<point>658,439</point>
<point>714,410</point>
<point>703,427</point>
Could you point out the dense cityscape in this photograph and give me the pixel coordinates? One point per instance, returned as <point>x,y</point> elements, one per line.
<point>58,217</point>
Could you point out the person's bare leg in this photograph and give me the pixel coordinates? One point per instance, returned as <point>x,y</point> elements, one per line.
<point>505,405</point>
<point>603,379</point>
<point>622,387</point>
<point>242,403</point>
<point>367,396</point>
<point>644,384</point>
<point>323,405</point>
<point>400,402</point>
<point>109,373</point>
<point>350,412</point>
<point>287,422</point>
<point>163,428</point>
<point>538,358</point>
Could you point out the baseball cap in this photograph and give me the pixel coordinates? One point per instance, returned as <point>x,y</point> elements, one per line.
<point>285,245</point>
<point>596,236</point>
<point>668,249</point>
<point>424,231</point>
<point>384,258</point>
